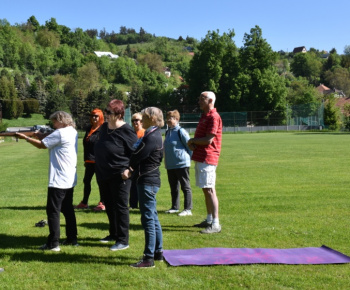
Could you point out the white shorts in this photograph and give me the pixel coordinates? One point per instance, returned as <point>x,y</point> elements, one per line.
<point>205,175</point>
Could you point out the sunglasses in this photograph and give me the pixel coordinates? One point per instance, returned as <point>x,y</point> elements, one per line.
<point>94,116</point>
<point>108,112</point>
<point>135,120</point>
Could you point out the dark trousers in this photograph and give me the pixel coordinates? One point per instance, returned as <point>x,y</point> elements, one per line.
<point>177,177</point>
<point>134,199</point>
<point>60,200</point>
<point>115,192</point>
<point>89,173</point>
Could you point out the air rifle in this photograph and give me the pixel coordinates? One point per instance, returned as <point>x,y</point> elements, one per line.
<point>28,131</point>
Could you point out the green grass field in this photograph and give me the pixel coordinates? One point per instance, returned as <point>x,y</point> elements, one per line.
<point>276,190</point>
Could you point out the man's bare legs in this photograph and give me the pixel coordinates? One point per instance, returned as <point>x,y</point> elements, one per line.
<point>211,202</point>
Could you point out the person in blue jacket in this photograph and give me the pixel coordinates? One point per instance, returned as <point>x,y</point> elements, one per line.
<point>177,160</point>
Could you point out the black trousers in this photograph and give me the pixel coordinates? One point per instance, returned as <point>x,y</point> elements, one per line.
<point>60,200</point>
<point>177,177</point>
<point>134,199</point>
<point>115,192</point>
<point>89,173</point>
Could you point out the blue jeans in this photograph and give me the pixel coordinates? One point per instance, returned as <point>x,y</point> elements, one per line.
<point>149,219</point>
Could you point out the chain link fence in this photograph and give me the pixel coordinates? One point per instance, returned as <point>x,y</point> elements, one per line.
<point>296,117</point>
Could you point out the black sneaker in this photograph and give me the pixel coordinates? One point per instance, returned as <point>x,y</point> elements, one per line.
<point>107,239</point>
<point>41,224</point>
<point>158,256</point>
<point>70,243</point>
<point>144,263</point>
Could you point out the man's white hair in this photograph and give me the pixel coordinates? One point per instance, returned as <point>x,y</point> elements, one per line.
<point>210,95</point>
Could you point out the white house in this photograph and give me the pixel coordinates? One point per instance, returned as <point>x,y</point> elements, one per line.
<point>106,53</point>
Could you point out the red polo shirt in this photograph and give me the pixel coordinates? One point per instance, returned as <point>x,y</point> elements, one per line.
<point>209,123</point>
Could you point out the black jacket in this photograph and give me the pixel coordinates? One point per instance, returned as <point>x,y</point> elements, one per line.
<point>147,158</point>
<point>89,144</point>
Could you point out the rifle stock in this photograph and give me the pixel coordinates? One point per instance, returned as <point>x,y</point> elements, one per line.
<point>32,132</point>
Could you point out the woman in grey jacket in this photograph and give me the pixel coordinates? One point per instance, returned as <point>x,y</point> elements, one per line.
<point>177,162</point>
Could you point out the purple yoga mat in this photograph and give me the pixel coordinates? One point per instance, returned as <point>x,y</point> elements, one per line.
<point>230,256</point>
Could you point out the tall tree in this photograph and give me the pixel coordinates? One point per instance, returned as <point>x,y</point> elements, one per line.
<point>260,86</point>
<point>206,70</point>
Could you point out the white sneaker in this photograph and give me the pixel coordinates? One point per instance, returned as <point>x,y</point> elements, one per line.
<point>212,229</point>
<point>118,247</point>
<point>172,210</point>
<point>185,212</point>
<point>45,247</point>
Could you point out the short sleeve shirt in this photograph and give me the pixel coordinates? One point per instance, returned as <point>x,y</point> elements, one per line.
<point>209,123</point>
<point>63,147</point>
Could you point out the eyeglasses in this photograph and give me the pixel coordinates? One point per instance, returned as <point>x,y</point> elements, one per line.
<point>135,120</point>
<point>108,112</point>
<point>94,116</point>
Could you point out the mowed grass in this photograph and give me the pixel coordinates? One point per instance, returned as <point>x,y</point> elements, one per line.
<point>276,190</point>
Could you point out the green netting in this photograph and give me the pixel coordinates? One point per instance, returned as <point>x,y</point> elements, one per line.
<point>306,114</point>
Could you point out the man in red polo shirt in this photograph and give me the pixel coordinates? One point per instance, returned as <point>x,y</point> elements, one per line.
<point>206,146</point>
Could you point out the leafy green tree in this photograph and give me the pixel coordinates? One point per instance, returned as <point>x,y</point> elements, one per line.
<point>56,101</point>
<point>92,32</point>
<point>301,92</point>
<point>153,61</point>
<point>332,61</point>
<point>88,77</point>
<point>27,60</point>
<point>68,59</point>
<point>9,46</point>
<point>30,106</point>
<point>47,38</point>
<point>34,23</point>
<point>124,69</point>
<point>8,95</point>
<point>206,67</point>
<point>345,61</point>
<point>46,60</point>
<point>123,30</point>
<point>339,78</point>
<point>307,65</point>
<point>303,97</point>
<point>332,114</point>
<point>136,97</point>
<point>259,85</point>
<point>21,84</point>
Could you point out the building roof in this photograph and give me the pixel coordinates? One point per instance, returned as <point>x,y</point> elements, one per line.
<point>322,88</point>
<point>299,49</point>
<point>106,53</point>
<point>326,91</point>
